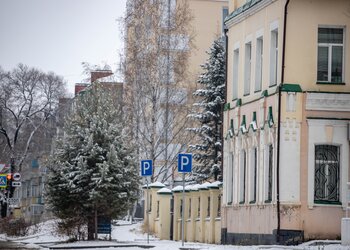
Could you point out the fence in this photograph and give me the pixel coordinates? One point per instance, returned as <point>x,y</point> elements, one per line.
<point>202,212</point>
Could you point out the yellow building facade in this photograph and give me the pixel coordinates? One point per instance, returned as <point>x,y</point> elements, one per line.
<point>286,121</point>
<point>202,212</point>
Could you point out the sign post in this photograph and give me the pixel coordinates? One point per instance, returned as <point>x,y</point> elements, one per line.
<point>184,165</point>
<point>147,170</point>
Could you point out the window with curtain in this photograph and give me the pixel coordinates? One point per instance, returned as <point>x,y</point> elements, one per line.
<point>258,64</point>
<point>242,176</point>
<point>235,74</point>
<point>252,175</point>
<point>273,57</point>
<point>247,68</point>
<point>229,176</point>
<point>330,55</point>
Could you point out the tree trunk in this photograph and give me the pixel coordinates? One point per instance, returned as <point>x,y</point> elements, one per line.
<point>91,228</point>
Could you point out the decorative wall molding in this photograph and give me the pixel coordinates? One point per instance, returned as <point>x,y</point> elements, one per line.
<point>328,101</point>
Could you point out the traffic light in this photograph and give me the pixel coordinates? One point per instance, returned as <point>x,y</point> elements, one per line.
<point>9,181</point>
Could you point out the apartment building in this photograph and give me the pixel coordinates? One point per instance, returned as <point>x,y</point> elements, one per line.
<point>286,121</point>
<point>164,54</point>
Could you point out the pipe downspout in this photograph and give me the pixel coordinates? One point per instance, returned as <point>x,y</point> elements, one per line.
<point>279,122</point>
<point>223,235</point>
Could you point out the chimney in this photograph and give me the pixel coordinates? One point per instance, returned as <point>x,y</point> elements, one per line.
<point>97,74</point>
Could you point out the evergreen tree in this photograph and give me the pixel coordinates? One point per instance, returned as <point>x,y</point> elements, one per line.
<point>208,150</point>
<point>93,168</point>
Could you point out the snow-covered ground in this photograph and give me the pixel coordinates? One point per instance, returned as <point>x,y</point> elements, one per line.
<point>130,237</point>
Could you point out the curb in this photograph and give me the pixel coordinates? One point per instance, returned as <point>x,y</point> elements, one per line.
<point>100,246</point>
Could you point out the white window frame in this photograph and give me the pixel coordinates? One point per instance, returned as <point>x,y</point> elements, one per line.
<point>273,53</point>
<point>259,61</point>
<point>242,176</point>
<point>330,46</point>
<point>253,170</point>
<point>247,67</point>
<point>235,73</point>
<point>230,165</point>
<point>266,174</point>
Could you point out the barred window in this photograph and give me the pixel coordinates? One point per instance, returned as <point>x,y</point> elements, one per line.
<point>326,174</point>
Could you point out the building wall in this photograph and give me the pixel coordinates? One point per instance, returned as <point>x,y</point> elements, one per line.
<point>301,43</point>
<point>198,227</point>
<point>311,114</point>
<point>206,30</point>
<point>248,30</point>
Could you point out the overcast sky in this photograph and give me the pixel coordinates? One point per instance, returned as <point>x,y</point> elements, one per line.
<point>57,35</point>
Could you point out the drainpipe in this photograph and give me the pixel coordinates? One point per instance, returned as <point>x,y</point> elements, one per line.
<point>223,234</point>
<point>222,106</point>
<point>279,122</point>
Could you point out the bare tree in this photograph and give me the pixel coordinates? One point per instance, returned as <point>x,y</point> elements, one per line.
<point>28,98</point>
<point>159,41</point>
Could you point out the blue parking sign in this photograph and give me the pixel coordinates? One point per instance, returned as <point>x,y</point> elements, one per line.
<point>146,167</point>
<point>184,163</point>
<point>3,181</point>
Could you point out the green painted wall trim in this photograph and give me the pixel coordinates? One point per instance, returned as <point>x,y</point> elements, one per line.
<point>227,106</point>
<point>265,93</point>
<point>288,87</point>
<point>242,9</point>
<point>328,202</point>
<point>254,116</point>
<point>331,83</point>
<point>327,118</point>
<point>326,92</point>
<point>239,102</point>
<point>270,117</point>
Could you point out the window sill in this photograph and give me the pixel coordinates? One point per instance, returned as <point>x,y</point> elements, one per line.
<point>198,219</point>
<point>241,202</point>
<point>218,219</point>
<point>331,83</point>
<point>267,201</point>
<point>207,219</point>
<point>328,203</point>
<point>252,202</point>
<point>246,94</point>
<point>273,85</point>
<point>257,91</point>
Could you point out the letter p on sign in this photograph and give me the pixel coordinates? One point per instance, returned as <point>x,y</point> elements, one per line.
<point>146,167</point>
<point>184,163</point>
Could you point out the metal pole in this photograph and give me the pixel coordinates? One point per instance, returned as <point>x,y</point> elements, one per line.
<point>147,208</point>
<point>183,209</point>
<point>8,204</point>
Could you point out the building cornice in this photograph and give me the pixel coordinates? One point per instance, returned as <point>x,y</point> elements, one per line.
<point>246,10</point>
<point>328,102</point>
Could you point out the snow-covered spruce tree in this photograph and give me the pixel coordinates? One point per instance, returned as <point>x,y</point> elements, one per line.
<point>93,168</point>
<point>208,150</point>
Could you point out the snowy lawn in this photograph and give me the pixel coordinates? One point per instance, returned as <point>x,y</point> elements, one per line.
<point>130,237</point>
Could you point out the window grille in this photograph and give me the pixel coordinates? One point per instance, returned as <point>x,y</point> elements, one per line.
<point>326,173</point>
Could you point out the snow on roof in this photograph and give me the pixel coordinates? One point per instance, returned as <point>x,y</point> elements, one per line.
<point>195,187</point>
<point>177,189</point>
<point>214,184</point>
<point>157,184</point>
<point>204,185</point>
<point>188,188</point>
<point>164,190</point>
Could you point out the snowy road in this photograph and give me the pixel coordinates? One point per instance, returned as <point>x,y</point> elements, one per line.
<point>126,237</point>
